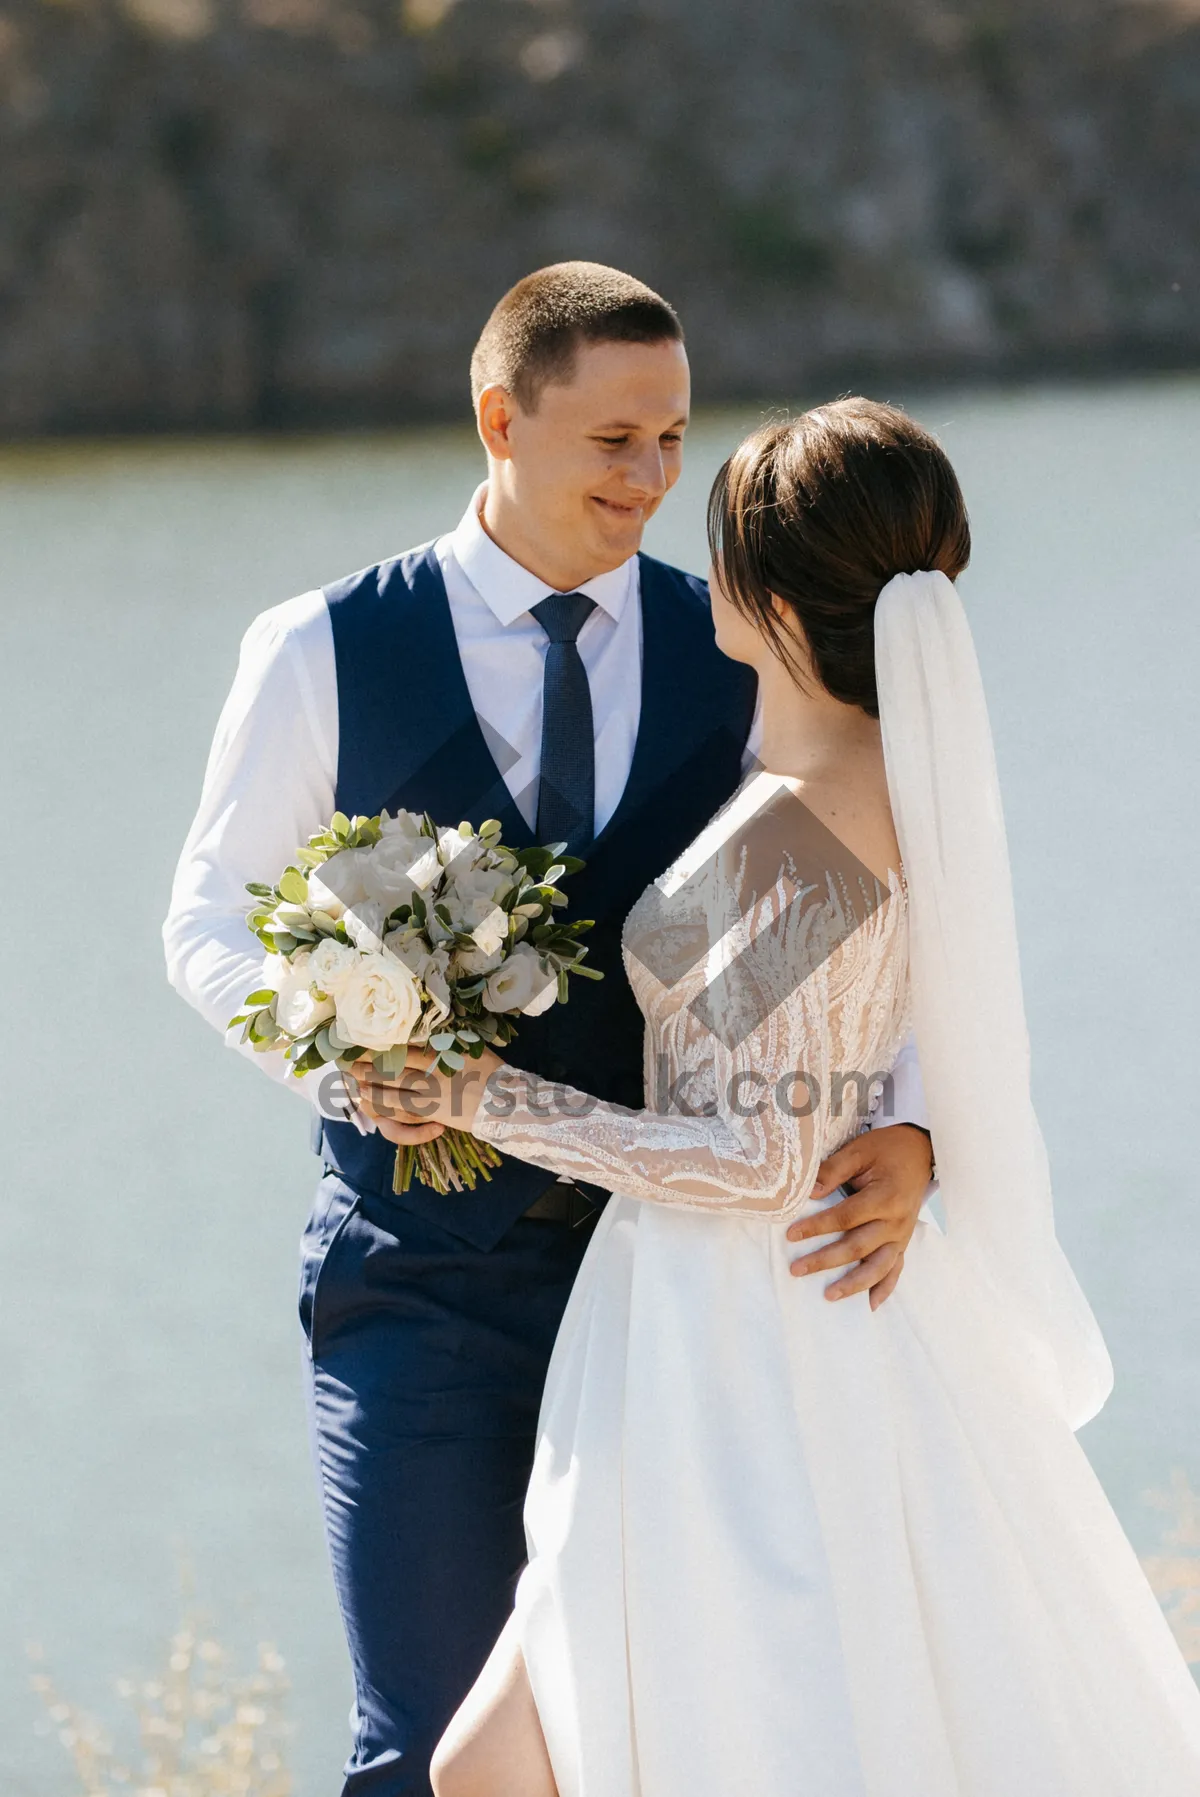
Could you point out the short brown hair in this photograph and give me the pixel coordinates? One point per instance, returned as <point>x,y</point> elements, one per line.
<point>822,511</point>
<point>533,334</point>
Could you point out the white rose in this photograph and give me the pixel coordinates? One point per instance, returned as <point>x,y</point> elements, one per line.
<point>459,853</point>
<point>430,966</point>
<point>486,922</point>
<point>491,883</point>
<point>432,969</point>
<point>338,883</point>
<point>409,945</point>
<point>387,875</point>
<point>425,870</point>
<point>379,1004</point>
<point>522,984</point>
<point>296,1010</point>
<point>404,823</point>
<point>329,963</point>
<point>472,902</point>
<point>475,961</point>
<point>364,924</point>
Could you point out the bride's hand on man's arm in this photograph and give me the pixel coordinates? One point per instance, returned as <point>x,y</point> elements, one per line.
<point>419,1105</point>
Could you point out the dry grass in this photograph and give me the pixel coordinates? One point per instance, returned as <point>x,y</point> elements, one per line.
<point>203,1731</point>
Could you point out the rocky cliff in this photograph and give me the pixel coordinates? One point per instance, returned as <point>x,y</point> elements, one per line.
<point>238,214</point>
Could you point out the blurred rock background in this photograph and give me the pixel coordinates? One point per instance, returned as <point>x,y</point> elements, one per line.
<point>261,214</point>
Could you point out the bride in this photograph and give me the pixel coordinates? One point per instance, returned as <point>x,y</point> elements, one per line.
<point>777,1545</point>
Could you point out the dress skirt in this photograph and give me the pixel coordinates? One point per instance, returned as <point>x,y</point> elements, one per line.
<point>784,1547</point>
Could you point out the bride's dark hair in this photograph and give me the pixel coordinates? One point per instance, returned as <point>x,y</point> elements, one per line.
<point>822,511</point>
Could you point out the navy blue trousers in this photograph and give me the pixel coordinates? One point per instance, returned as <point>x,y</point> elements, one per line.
<point>427,1362</point>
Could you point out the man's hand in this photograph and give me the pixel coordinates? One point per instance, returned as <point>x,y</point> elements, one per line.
<point>888,1172</point>
<point>419,1105</point>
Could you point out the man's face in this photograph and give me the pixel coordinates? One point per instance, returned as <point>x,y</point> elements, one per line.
<point>590,467</point>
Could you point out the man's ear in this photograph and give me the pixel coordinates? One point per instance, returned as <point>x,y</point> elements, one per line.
<point>493,417</point>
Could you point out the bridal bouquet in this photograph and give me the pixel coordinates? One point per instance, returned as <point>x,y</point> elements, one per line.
<point>394,930</point>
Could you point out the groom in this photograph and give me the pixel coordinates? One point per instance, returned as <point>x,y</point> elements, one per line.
<point>533,667</point>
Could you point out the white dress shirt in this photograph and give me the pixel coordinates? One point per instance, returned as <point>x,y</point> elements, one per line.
<point>272,769</point>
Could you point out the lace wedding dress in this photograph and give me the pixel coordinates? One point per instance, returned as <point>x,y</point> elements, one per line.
<point>778,1546</point>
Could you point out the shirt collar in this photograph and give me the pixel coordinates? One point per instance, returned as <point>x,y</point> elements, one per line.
<point>508,589</point>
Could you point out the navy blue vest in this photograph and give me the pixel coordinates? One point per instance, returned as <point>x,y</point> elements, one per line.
<point>408,736</point>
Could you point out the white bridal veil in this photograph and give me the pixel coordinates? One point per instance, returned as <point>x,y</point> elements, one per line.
<point>968,1010</point>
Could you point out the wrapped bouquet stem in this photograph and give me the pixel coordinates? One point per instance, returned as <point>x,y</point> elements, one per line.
<point>393,930</point>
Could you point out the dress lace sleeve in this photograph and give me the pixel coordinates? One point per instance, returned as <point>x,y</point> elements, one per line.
<point>771,971</point>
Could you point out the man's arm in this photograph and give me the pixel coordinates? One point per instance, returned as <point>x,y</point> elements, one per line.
<point>268,786</point>
<point>902,1099</point>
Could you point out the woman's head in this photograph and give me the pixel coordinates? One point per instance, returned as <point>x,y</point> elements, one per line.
<point>807,523</point>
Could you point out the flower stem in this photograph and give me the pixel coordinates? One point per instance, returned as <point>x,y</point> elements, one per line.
<point>453,1162</point>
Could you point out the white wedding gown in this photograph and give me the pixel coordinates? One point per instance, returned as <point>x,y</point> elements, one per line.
<point>782,1547</point>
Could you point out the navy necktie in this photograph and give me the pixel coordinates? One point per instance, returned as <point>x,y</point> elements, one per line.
<point>567,789</point>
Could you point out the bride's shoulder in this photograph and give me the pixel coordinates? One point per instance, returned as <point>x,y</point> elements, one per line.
<point>766,845</point>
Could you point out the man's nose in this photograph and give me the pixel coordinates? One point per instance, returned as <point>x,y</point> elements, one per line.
<point>646,474</point>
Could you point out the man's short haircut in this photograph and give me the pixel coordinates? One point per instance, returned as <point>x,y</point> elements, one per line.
<point>534,333</point>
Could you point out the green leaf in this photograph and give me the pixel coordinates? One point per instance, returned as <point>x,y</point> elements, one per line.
<point>256,889</point>
<point>339,825</point>
<point>261,997</point>
<point>293,886</point>
<point>443,1040</point>
<point>553,874</point>
<point>588,973</point>
<point>391,1061</point>
<point>564,991</point>
<point>450,1061</point>
<point>324,1046</point>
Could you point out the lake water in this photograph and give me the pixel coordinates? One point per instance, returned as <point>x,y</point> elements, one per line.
<point>151,1416</point>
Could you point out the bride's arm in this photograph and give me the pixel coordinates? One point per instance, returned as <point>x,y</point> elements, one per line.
<point>765,990</point>
<point>745,1130</point>
<point>750,1148</point>
<point>732,1139</point>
